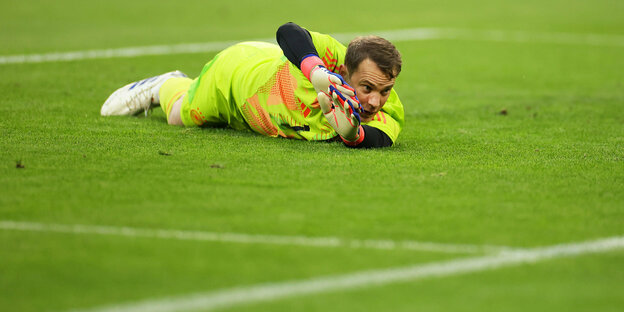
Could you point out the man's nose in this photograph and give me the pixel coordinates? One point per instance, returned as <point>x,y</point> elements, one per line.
<point>373,100</point>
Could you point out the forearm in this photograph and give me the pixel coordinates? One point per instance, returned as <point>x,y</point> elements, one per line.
<point>373,137</point>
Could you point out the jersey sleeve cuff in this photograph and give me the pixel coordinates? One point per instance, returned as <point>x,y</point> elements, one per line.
<point>308,63</point>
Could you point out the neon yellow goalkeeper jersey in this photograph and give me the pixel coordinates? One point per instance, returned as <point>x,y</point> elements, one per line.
<point>252,85</point>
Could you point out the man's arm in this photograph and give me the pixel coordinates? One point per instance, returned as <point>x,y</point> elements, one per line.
<point>297,45</point>
<point>373,137</point>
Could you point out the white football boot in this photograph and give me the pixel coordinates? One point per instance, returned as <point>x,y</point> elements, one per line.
<point>136,97</point>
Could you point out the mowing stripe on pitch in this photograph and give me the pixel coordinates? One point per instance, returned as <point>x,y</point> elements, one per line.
<point>392,35</point>
<point>249,238</point>
<point>275,291</point>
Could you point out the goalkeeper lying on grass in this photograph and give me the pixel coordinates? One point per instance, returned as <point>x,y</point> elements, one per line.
<point>295,90</point>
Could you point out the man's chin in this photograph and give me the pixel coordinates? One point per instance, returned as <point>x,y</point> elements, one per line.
<point>366,117</point>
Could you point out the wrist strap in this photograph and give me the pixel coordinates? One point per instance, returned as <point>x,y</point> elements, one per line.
<point>358,140</point>
<point>308,63</point>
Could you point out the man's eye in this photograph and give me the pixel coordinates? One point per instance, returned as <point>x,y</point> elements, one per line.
<point>368,88</point>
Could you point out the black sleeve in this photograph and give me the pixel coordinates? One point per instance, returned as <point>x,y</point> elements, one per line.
<point>296,42</point>
<point>373,137</point>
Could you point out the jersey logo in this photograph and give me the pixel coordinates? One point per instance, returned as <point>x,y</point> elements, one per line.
<point>380,116</point>
<point>304,109</point>
<point>197,116</point>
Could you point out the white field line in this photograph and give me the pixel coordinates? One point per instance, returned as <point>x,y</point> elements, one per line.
<point>334,242</point>
<point>494,35</point>
<point>275,291</point>
<point>392,35</point>
<point>120,52</point>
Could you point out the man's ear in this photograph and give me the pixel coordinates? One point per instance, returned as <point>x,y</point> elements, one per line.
<point>342,69</point>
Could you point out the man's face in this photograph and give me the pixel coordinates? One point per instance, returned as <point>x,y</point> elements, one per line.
<point>372,87</point>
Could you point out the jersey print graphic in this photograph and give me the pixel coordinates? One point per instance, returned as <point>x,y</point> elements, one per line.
<point>278,91</point>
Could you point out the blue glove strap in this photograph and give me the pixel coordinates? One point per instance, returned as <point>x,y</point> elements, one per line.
<point>342,98</point>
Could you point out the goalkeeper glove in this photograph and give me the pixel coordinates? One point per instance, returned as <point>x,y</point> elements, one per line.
<point>340,113</point>
<point>322,78</point>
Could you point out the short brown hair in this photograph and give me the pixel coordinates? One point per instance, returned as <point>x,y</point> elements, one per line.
<point>379,50</point>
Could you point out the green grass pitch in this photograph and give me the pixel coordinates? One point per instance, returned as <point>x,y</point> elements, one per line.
<point>511,143</point>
